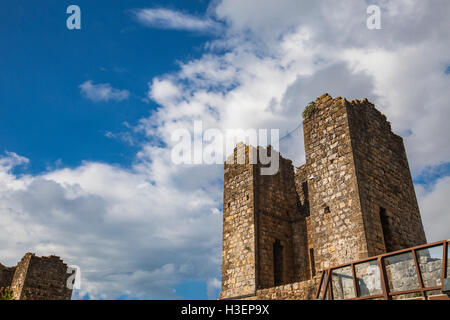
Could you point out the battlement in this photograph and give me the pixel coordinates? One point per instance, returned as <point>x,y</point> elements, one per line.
<point>352,199</point>
<point>37,278</point>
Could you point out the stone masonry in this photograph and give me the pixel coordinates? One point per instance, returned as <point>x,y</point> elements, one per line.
<point>37,278</point>
<point>352,199</point>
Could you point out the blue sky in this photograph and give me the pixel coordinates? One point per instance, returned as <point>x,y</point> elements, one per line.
<point>86,118</point>
<point>44,117</point>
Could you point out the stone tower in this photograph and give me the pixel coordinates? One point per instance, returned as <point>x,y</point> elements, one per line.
<point>352,199</point>
<point>37,278</point>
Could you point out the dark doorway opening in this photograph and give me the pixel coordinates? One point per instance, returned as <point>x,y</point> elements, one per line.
<point>277,263</point>
<point>386,226</point>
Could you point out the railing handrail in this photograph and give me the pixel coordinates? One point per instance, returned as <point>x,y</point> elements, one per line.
<point>384,255</point>
<point>387,294</point>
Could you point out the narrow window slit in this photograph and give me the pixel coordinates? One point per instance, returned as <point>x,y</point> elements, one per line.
<point>278,263</point>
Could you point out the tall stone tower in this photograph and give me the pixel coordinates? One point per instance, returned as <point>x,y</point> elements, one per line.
<point>261,220</point>
<point>354,198</point>
<point>362,199</point>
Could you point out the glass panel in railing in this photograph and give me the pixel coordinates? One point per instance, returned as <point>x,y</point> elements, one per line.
<point>368,278</point>
<point>430,263</point>
<point>401,272</point>
<point>342,280</point>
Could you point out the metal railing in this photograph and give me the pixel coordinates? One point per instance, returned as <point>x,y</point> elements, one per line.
<point>413,271</point>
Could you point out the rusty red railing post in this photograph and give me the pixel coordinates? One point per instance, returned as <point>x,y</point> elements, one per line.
<point>326,284</point>
<point>444,263</point>
<point>384,284</point>
<point>419,273</point>
<point>331,285</point>
<point>319,286</point>
<point>355,285</point>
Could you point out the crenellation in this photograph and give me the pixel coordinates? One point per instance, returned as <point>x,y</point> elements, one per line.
<point>37,278</point>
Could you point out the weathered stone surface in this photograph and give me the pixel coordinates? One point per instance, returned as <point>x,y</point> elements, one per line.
<point>238,254</point>
<point>6,275</point>
<point>352,199</point>
<point>37,278</point>
<point>305,290</point>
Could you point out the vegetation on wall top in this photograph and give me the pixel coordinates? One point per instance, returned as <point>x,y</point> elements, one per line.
<point>310,109</point>
<point>5,294</point>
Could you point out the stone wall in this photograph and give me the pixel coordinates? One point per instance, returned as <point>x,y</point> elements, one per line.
<point>6,276</point>
<point>384,181</point>
<point>258,211</point>
<point>20,276</point>
<point>46,279</point>
<point>238,254</point>
<point>360,170</point>
<point>37,278</point>
<point>279,218</point>
<point>305,290</point>
<point>352,199</point>
<point>400,271</point>
<point>336,222</point>
<point>302,235</point>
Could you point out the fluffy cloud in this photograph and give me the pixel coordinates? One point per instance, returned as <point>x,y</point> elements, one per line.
<point>170,19</point>
<point>268,66</point>
<point>433,202</point>
<point>140,231</point>
<point>213,287</point>
<point>11,160</point>
<point>130,234</point>
<point>102,92</point>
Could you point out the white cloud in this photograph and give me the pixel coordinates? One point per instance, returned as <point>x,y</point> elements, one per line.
<point>7,179</point>
<point>11,160</point>
<point>163,91</point>
<point>271,64</point>
<point>102,92</point>
<point>434,205</point>
<point>126,137</point>
<point>171,19</point>
<point>213,286</point>
<point>126,229</point>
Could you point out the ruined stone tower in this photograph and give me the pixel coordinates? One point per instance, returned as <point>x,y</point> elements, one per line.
<point>37,278</point>
<point>352,199</point>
